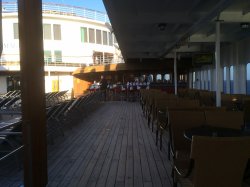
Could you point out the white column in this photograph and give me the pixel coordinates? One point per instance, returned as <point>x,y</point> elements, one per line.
<point>194,80</point>
<point>217,65</point>
<point>190,79</point>
<point>221,79</point>
<point>227,79</point>
<point>175,73</point>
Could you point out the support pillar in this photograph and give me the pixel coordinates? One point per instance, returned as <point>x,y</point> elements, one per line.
<point>175,74</point>
<point>217,65</point>
<point>227,80</point>
<point>33,92</point>
<point>190,80</point>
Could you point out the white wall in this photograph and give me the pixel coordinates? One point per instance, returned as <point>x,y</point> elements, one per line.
<point>65,82</point>
<point>3,85</point>
<point>73,50</point>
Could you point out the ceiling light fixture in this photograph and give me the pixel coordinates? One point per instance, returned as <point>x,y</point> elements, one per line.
<point>162,26</point>
<point>244,25</point>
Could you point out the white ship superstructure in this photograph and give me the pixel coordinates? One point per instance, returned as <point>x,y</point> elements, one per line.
<point>73,37</point>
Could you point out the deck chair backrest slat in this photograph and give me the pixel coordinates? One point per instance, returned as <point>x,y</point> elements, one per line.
<point>180,121</point>
<point>219,161</point>
<point>227,119</point>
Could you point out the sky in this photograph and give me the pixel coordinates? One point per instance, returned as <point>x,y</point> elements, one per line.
<point>90,4</point>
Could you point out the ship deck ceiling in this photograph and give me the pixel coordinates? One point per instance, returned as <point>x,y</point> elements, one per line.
<point>152,30</point>
<point>111,147</point>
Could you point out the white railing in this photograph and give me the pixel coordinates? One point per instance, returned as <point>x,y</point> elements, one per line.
<point>13,60</point>
<point>52,8</point>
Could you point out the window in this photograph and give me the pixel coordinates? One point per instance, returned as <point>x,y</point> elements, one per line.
<point>231,80</point>
<point>98,57</point>
<point>58,56</point>
<point>158,77</point>
<point>16,32</point>
<point>91,35</point>
<point>57,31</point>
<point>150,78</point>
<point>98,37</point>
<point>248,79</point>
<point>47,57</point>
<point>47,31</point>
<point>167,78</point>
<point>110,39</point>
<point>104,37</point>
<point>108,58</point>
<point>84,35</point>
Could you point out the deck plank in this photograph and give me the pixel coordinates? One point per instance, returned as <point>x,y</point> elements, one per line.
<point>111,147</point>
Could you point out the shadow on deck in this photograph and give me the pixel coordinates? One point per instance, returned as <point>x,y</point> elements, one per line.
<point>111,147</point>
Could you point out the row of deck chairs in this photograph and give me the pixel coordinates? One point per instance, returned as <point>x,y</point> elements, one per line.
<point>203,161</point>
<point>59,116</point>
<point>10,100</point>
<point>69,112</point>
<point>53,98</point>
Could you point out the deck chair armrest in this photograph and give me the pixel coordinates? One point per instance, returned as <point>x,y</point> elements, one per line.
<point>189,170</point>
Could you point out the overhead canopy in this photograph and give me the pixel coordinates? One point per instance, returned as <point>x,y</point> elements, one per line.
<point>90,73</point>
<point>147,29</point>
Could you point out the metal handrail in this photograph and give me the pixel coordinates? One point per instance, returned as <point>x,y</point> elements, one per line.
<point>53,8</point>
<point>11,153</point>
<point>66,61</point>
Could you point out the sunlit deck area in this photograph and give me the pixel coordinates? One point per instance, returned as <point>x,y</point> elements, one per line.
<point>112,146</point>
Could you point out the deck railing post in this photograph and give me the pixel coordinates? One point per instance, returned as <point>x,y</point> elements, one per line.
<point>32,92</point>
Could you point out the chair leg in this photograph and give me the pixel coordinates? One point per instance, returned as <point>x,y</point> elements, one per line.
<point>156,134</point>
<point>149,119</point>
<point>168,150</point>
<point>160,139</point>
<point>175,184</point>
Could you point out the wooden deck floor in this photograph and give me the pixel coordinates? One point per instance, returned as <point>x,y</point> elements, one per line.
<point>111,147</point>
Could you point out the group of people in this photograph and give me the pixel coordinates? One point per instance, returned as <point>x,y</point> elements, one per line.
<point>130,85</point>
<point>126,89</point>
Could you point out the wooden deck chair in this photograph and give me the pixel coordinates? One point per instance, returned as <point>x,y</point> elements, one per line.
<point>180,147</point>
<point>218,161</point>
<point>11,139</point>
<point>227,119</point>
<point>187,103</point>
<point>180,121</point>
<point>191,105</point>
<point>160,107</point>
<point>246,111</point>
<point>162,118</point>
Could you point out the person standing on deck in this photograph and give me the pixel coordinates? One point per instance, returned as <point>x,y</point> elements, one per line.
<point>103,87</point>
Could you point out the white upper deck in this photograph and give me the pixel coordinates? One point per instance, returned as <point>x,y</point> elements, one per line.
<point>73,37</point>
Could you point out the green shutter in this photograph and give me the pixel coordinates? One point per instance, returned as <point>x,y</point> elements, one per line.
<point>82,34</point>
<point>58,56</point>
<point>47,56</point>
<point>16,33</point>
